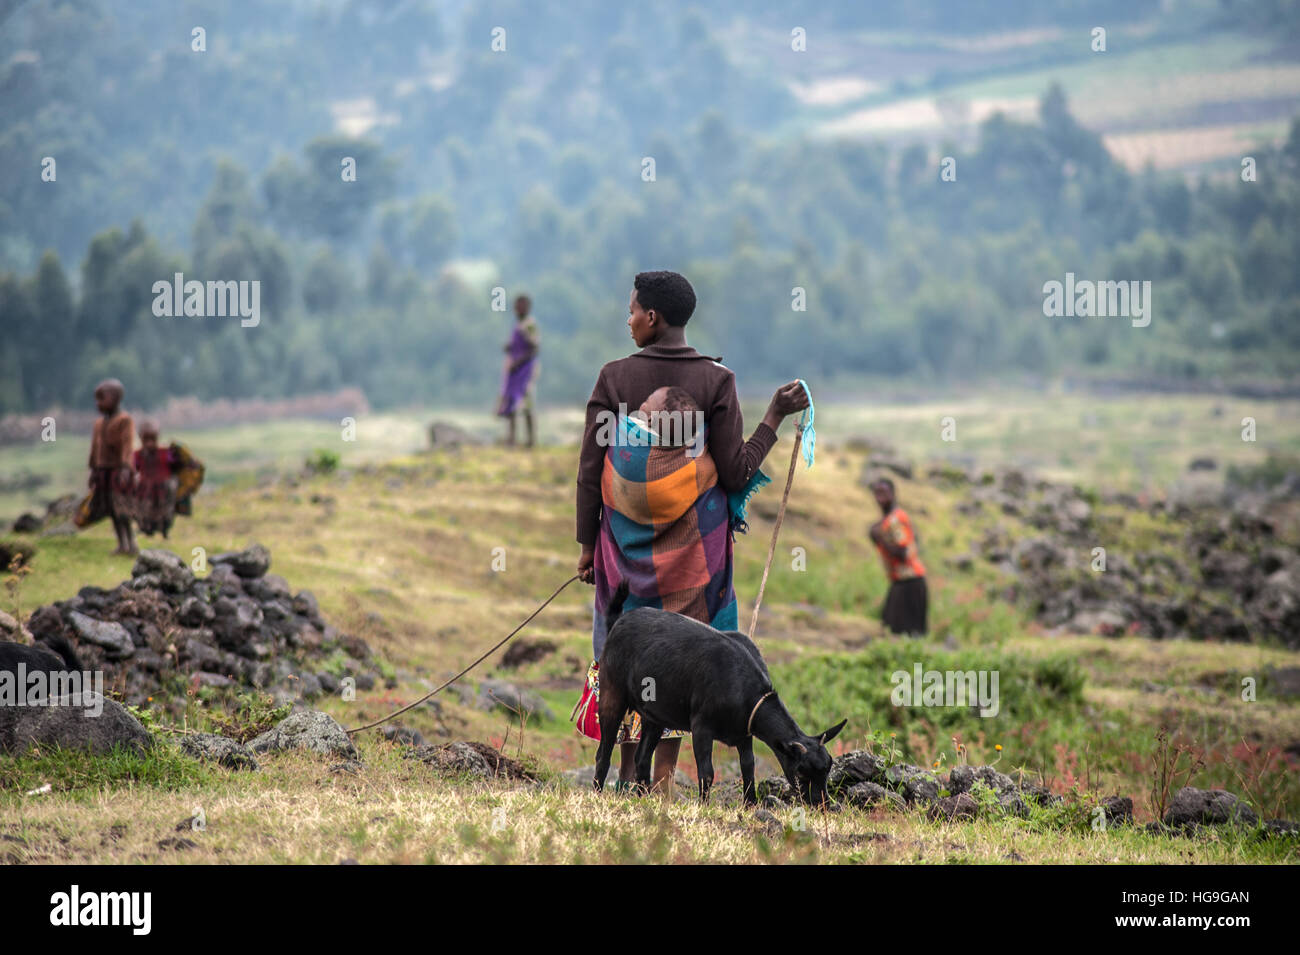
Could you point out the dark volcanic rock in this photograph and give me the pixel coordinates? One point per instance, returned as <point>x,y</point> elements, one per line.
<point>195,613</point>
<point>252,561</point>
<point>309,729</point>
<point>218,749</point>
<point>960,806</point>
<point>475,759</point>
<point>113,637</point>
<point>962,778</point>
<point>76,721</point>
<point>172,573</point>
<point>222,631</point>
<point>1118,810</point>
<point>867,795</point>
<point>1191,806</point>
<point>853,768</point>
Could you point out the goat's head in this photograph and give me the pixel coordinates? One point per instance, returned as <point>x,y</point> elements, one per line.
<point>806,763</point>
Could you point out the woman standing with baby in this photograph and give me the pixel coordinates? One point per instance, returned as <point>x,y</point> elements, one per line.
<point>640,517</point>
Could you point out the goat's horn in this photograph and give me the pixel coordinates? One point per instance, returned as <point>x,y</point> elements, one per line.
<point>802,748</point>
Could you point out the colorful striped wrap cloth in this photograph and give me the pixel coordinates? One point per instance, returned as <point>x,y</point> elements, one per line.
<point>667,529</point>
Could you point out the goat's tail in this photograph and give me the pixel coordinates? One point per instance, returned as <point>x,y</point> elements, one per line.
<point>60,645</point>
<point>615,608</point>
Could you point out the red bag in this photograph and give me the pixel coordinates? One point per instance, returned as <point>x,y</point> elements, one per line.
<point>587,713</point>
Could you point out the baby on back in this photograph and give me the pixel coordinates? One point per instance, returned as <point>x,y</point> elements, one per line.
<point>673,417</point>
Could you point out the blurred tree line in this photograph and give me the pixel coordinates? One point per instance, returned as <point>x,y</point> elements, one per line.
<point>501,173</point>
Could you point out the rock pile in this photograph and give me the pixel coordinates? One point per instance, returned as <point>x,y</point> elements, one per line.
<point>238,626</point>
<point>865,780</point>
<point>1222,564</point>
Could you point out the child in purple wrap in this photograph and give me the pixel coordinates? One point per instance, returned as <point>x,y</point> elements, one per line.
<point>520,372</point>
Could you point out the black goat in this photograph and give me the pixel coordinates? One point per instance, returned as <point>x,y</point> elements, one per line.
<point>51,654</point>
<point>678,673</point>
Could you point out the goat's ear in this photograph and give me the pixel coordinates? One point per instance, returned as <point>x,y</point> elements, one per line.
<point>833,732</point>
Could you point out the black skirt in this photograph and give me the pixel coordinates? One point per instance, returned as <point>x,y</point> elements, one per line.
<point>905,606</point>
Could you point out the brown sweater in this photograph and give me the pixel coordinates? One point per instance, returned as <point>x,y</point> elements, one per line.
<point>630,381</point>
<point>112,441</point>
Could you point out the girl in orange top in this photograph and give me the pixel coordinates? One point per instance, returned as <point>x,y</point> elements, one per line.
<point>907,601</point>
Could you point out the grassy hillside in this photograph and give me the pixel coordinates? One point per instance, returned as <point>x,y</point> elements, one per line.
<point>401,554</point>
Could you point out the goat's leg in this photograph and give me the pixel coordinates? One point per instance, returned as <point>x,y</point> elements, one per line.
<point>746,750</point>
<point>611,718</point>
<point>702,742</point>
<point>603,751</point>
<point>645,751</point>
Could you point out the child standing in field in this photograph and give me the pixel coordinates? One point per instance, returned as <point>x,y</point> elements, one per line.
<point>907,601</point>
<point>519,376</point>
<point>111,476</point>
<point>166,479</point>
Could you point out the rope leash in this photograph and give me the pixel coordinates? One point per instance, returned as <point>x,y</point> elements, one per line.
<point>805,424</point>
<point>489,653</point>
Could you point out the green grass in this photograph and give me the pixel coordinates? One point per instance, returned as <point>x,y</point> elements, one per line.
<point>72,771</point>
<point>401,555</point>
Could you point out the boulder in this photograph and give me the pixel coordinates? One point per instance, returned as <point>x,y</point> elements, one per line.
<point>853,768</point>
<point>482,760</point>
<point>311,730</point>
<point>920,788</point>
<point>45,622</point>
<point>963,778</point>
<point>1013,803</point>
<point>1192,806</point>
<point>1118,810</point>
<point>960,806</point>
<point>112,636</point>
<point>268,588</point>
<point>250,562</point>
<point>454,759</point>
<point>306,605</point>
<point>238,623</point>
<point>279,618</point>
<point>914,783</point>
<point>218,749</point>
<point>224,582</point>
<point>75,721</point>
<point>195,613</point>
<point>867,795</point>
<point>1039,795</point>
<point>171,572</point>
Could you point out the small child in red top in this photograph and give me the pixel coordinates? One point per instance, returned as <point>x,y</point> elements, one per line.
<point>155,482</point>
<point>906,603</point>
